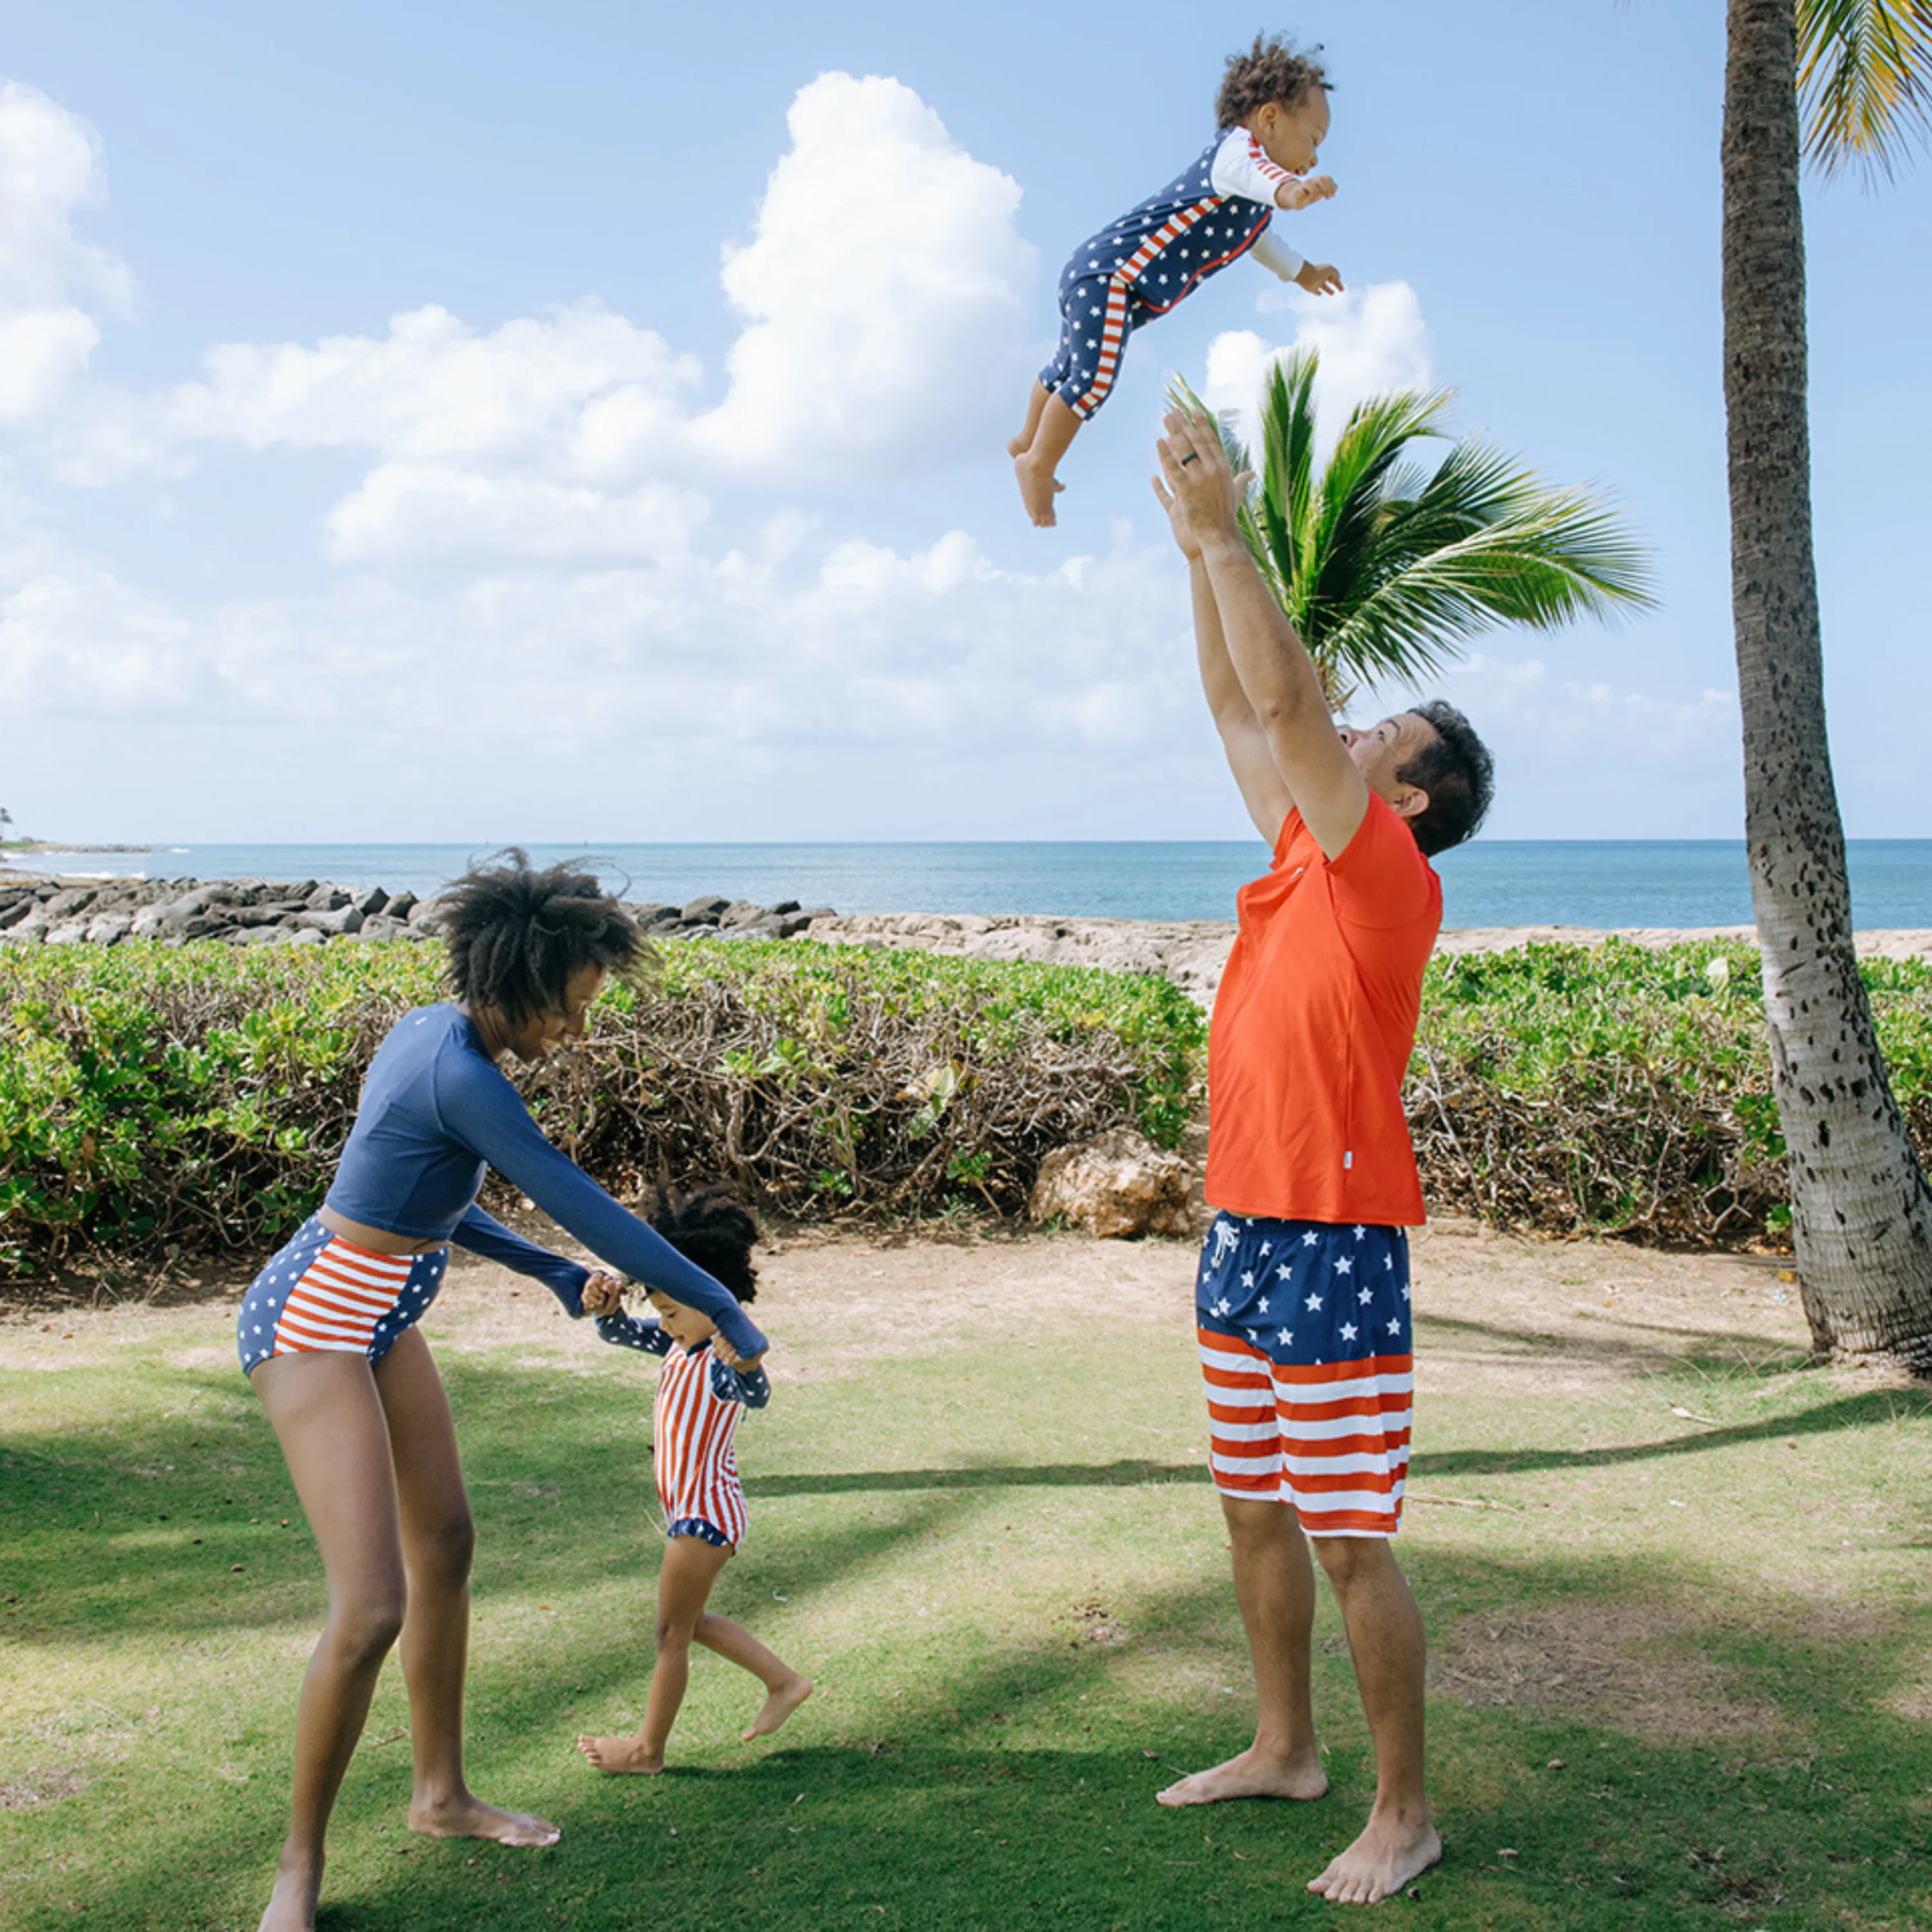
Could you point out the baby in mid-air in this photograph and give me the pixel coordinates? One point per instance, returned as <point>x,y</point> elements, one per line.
<point>1273,115</point>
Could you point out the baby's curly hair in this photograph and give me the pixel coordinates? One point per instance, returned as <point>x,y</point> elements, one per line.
<point>713,1229</point>
<point>1269,70</point>
<point>517,935</point>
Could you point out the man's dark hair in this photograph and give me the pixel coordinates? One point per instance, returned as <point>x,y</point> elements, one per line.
<point>1269,70</point>
<point>1456,771</point>
<point>713,1229</point>
<point>517,936</point>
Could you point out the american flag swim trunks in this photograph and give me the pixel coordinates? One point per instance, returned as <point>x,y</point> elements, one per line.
<point>1305,1347</point>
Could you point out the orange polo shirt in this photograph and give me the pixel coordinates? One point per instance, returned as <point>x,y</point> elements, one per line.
<point>1313,1027</point>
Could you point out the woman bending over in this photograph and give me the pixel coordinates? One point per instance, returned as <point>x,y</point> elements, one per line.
<point>328,1335</point>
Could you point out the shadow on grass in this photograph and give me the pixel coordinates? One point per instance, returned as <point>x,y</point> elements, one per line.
<point>1017,1793</point>
<point>1879,1408</point>
<point>1710,1353</point>
<point>1011,1786</point>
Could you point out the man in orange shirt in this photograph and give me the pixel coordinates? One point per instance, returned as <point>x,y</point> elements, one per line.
<point>1303,1295</point>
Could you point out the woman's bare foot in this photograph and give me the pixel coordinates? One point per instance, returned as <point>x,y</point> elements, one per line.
<point>292,1904</point>
<point>1385,1858</point>
<point>778,1706</point>
<point>617,1754</point>
<point>1038,488</point>
<point>1248,1776</point>
<point>468,1817</point>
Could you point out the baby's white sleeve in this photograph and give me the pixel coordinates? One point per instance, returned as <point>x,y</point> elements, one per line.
<point>1272,252</point>
<point>1241,167</point>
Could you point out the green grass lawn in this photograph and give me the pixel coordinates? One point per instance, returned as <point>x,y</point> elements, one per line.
<point>1674,1587</point>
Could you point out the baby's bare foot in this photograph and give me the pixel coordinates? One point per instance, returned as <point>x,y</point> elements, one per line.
<point>1385,1858</point>
<point>1038,488</point>
<point>1248,1776</point>
<point>621,1754</point>
<point>292,1904</point>
<point>778,1706</point>
<point>468,1817</point>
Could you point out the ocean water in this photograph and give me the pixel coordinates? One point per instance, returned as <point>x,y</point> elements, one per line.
<point>1493,882</point>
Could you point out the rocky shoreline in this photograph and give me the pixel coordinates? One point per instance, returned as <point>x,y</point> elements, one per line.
<point>51,911</point>
<point>47,909</point>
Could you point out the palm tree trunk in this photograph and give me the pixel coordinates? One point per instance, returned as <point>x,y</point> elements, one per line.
<point>1860,1209</point>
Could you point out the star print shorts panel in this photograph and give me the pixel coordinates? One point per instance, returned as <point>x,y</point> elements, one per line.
<point>1097,314</point>
<point>1305,1345</point>
<point>323,1294</point>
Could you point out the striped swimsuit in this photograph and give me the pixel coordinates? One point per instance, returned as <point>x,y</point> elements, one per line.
<point>1157,254</point>
<point>700,1402</point>
<point>323,1294</point>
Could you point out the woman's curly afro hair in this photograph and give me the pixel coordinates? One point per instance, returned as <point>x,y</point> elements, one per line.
<point>713,1229</point>
<point>1269,70</point>
<point>517,936</point>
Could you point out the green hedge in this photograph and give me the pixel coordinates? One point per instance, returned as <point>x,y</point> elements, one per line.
<point>196,1097</point>
<point>1623,1090</point>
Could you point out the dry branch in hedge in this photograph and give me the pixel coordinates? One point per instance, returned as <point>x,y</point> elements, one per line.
<point>197,1098</point>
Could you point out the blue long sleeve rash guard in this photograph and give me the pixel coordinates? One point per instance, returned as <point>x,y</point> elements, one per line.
<point>435,1111</point>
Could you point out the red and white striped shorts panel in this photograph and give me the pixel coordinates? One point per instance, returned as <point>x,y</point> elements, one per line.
<point>1332,1441</point>
<point>341,1297</point>
<point>324,1295</point>
<point>692,1433</point>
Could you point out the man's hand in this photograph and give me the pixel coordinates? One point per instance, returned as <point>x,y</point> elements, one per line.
<point>1202,495</point>
<point>1304,191</point>
<point>603,1294</point>
<point>1318,278</point>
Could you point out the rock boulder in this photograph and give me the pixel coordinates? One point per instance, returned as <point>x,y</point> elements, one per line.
<point>1115,1185</point>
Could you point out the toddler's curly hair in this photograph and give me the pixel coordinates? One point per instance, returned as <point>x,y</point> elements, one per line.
<point>714,1230</point>
<point>1269,70</point>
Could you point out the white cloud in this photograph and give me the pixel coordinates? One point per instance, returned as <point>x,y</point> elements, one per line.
<point>1576,755</point>
<point>883,292</point>
<point>883,289</point>
<point>1369,340</point>
<point>49,167</point>
<point>401,510</point>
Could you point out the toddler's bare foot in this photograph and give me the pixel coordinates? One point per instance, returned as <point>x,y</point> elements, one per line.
<point>1248,1776</point>
<point>778,1706</point>
<point>1038,488</point>
<point>1390,1852</point>
<point>468,1817</point>
<point>620,1754</point>
<point>292,1904</point>
<point>1019,445</point>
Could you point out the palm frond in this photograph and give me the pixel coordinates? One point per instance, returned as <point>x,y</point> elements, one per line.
<point>1385,566</point>
<point>1864,80</point>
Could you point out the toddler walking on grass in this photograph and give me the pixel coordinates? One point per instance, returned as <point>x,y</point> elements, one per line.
<point>702,1394</point>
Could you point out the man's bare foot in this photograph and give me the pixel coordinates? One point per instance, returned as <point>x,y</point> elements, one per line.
<point>468,1817</point>
<point>618,1754</point>
<point>1385,1858</point>
<point>1038,488</point>
<point>778,1706</point>
<point>1248,1776</point>
<point>292,1904</point>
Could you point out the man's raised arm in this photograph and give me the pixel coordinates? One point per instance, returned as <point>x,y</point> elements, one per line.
<point>1262,788</point>
<point>1277,679</point>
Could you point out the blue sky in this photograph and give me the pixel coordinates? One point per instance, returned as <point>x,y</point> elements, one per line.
<point>428,422</point>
